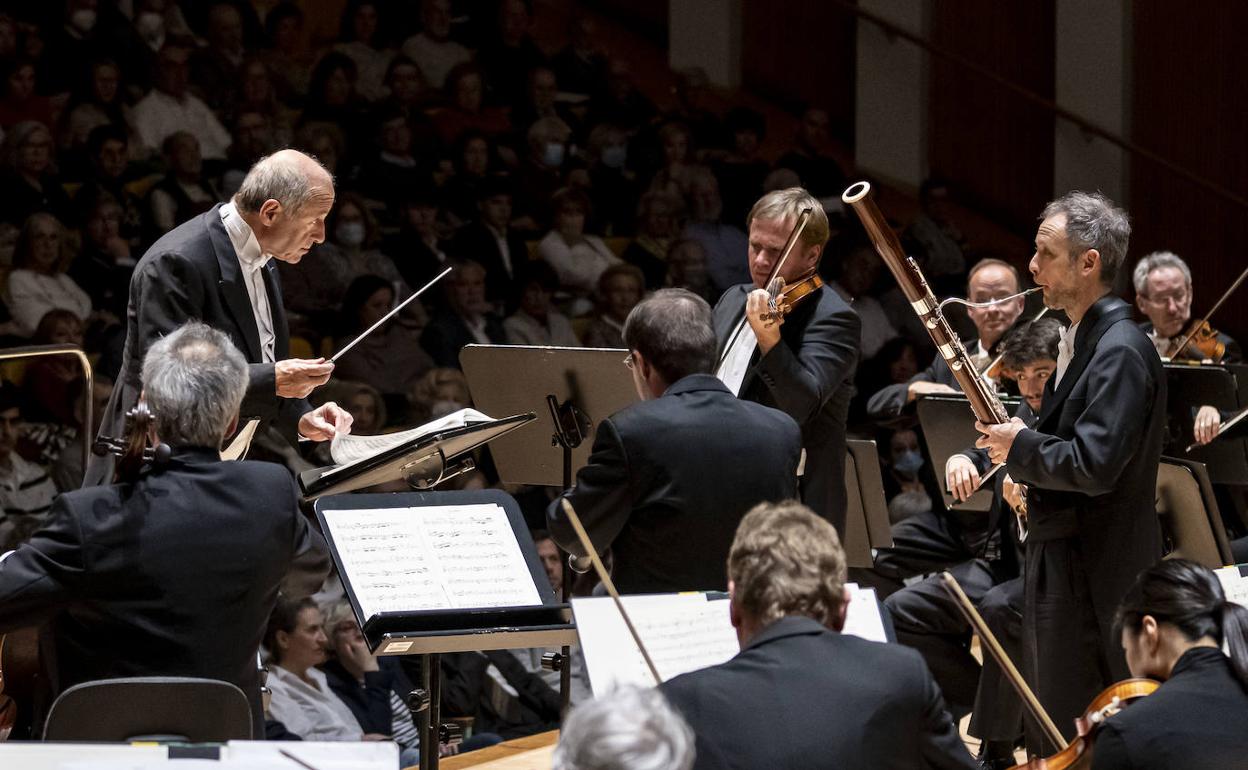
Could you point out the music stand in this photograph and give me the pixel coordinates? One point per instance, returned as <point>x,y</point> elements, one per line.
<point>866,521</point>
<point>411,564</point>
<point>1189,513</point>
<point>1190,386</point>
<point>948,428</point>
<point>587,384</point>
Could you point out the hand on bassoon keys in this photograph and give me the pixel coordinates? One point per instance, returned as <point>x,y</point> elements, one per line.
<point>1208,422</point>
<point>998,439</point>
<point>767,331</point>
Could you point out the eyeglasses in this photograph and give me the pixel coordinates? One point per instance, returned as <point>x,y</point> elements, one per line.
<point>629,362</point>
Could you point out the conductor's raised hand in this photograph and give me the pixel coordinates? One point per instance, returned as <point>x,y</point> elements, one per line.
<point>961,477</point>
<point>767,331</point>
<point>323,422</point>
<point>297,377</point>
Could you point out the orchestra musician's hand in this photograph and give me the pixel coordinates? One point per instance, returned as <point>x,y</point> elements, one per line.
<point>961,477</point>
<point>297,377</point>
<point>924,388</point>
<point>322,423</point>
<point>1208,420</point>
<point>767,332</point>
<point>1014,494</point>
<point>998,439</point>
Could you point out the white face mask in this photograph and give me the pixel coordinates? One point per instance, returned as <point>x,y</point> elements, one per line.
<point>350,233</point>
<point>82,19</point>
<point>151,28</point>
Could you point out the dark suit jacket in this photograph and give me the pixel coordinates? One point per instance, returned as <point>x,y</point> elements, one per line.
<point>669,480</point>
<point>1195,721</point>
<point>1090,463</point>
<point>447,334</point>
<point>477,242</point>
<point>802,696</point>
<point>173,575</point>
<point>193,273</point>
<point>810,377</point>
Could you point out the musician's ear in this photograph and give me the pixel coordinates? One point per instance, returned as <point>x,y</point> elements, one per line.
<point>1090,263</point>
<point>812,254</point>
<point>269,211</point>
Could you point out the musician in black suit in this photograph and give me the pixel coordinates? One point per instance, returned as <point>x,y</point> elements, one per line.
<point>800,694</point>
<point>670,477</point>
<point>176,573</point>
<point>217,268</point>
<point>1163,292</point>
<point>989,279</point>
<point>1175,622</point>
<point>1089,464</point>
<point>804,363</point>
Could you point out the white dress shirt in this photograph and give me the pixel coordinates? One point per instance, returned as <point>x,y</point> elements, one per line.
<point>1065,352</point>
<point>737,362</point>
<point>252,263</point>
<point>311,711</point>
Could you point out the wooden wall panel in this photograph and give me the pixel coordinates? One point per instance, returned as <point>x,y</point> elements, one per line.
<point>995,149</point>
<point>1189,106</point>
<point>802,53</point>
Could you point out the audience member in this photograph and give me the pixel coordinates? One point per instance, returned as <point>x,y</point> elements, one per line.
<point>29,182</point>
<point>48,386</point>
<point>21,102</point>
<point>630,728</point>
<point>361,38</point>
<point>67,470</point>
<point>620,288</point>
<point>257,93</point>
<point>390,358</point>
<point>324,141</point>
<point>540,173</point>
<point>185,191</point>
<point>811,159</point>
<point>491,241</point>
<point>475,160</point>
<point>106,261</point>
<point>938,243</point>
<point>509,56</point>
<point>284,52</point>
<point>417,249</point>
<point>39,282</point>
<point>675,175</point>
<point>432,48</point>
<point>26,492</point>
<point>619,102</point>
<point>108,159</point>
<point>332,99</point>
<point>393,169</point>
<point>440,392</point>
<point>577,258</point>
<point>254,137</point>
<point>692,108</point>
<point>466,318</point>
<point>859,269</point>
<point>78,38</point>
<point>726,245</point>
<point>658,213</point>
<point>535,321</point>
<point>742,170</point>
<point>216,67</point>
<point>581,67</point>
<point>170,108</point>
<point>99,102</point>
<point>612,187</point>
<point>537,100</point>
<point>686,269</point>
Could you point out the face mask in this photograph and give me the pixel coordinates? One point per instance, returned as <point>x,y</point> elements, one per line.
<point>350,233</point>
<point>151,28</point>
<point>82,19</point>
<point>615,156</point>
<point>909,463</point>
<point>553,156</point>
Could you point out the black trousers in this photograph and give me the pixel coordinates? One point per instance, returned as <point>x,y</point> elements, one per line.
<point>926,542</point>
<point>1064,656</point>
<point>998,712</point>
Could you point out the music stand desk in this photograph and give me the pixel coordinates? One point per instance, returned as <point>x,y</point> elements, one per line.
<point>948,428</point>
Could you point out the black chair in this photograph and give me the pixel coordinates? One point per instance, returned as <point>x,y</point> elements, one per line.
<point>159,708</point>
<point>1190,520</point>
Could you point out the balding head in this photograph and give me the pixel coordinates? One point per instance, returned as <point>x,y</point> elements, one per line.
<point>285,198</point>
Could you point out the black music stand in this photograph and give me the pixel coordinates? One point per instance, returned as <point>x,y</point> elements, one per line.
<point>867,525</point>
<point>1190,386</point>
<point>948,428</point>
<point>395,599</point>
<point>424,462</point>
<point>1188,510</point>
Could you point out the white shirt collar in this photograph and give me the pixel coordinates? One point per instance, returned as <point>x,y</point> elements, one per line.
<point>244,240</point>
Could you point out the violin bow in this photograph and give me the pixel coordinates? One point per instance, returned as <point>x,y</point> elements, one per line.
<point>989,641</point>
<point>798,227</point>
<point>1225,295</point>
<point>583,536</point>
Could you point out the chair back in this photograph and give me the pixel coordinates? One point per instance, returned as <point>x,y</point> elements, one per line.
<point>1190,520</point>
<point>161,708</point>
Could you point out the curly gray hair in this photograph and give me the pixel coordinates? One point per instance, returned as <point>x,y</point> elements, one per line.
<point>1094,222</point>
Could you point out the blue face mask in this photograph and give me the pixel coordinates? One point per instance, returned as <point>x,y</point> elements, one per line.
<point>909,463</point>
<point>615,156</point>
<point>553,155</point>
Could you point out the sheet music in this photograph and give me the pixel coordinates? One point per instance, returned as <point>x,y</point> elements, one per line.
<point>1234,581</point>
<point>682,632</point>
<point>350,448</point>
<point>431,558</point>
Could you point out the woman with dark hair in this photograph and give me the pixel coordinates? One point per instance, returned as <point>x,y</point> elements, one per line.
<point>20,101</point>
<point>332,97</point>
<point>465,92</point>
<point>98,102</point>
<point>285,52</point>
<point>390,358</point>
<point>475,160</point>
<point>1178,627</point>
<point>362,39</point>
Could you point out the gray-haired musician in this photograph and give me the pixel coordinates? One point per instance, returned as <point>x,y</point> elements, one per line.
<point>1163,292</point>
<point>217,268</point>
<point>803,364</point>
<point>1090,462</point>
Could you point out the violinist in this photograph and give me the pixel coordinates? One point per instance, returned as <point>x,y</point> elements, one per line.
<point>1089,463</point>
<point>1175,624</point>
<point>175,573</point>
<point>801,362</point>
<point>1163,292</point>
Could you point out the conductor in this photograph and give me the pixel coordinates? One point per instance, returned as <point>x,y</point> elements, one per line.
<point>217,268</point>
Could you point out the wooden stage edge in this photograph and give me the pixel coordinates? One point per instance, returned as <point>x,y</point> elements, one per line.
<point>533,752</point>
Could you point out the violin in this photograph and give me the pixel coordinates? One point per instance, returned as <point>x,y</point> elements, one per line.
<point>782,299</point>
<point>1111,701</point>
<point>133,449</point>
<point>1199,343</point>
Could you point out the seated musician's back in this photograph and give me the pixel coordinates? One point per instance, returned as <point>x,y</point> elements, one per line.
<point>669,478</point>
<point>800,694</point>
<point>174,573</point>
